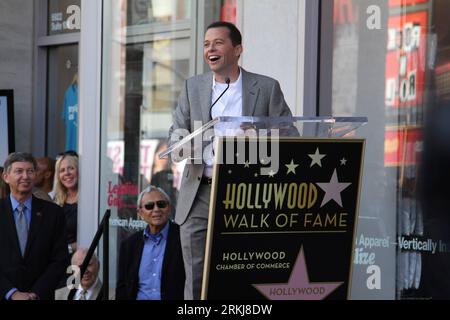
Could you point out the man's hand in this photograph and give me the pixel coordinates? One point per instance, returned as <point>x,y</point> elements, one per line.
<point>33,296</point>
<point>247,126</point>
<point>23,296</point>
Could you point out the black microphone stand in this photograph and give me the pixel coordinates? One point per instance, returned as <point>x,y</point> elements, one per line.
<point>227,81</point>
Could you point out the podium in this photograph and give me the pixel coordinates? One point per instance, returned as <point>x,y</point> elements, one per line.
<point>283,207</point>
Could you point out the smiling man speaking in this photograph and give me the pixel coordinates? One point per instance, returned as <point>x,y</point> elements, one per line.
<point>228,90</point>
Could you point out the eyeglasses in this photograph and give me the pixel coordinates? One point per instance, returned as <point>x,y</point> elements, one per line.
<point>160,203</point>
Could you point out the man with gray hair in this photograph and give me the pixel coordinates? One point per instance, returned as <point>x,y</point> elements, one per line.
<point>150,262</point>
<point>33,246</point>
<point>90,285</point>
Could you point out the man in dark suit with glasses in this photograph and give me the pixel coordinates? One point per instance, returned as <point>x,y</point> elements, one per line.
<point>151,262</point>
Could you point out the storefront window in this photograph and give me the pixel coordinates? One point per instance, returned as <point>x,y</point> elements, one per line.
<point>64,16</point>
<point>147,56</point>
<point>391,63</point>
<point>153,11</point>
<point>62,99</point>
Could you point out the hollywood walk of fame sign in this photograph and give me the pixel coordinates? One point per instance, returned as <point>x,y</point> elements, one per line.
<point>287,232</point>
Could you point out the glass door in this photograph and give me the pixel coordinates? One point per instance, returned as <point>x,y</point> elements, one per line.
<point>390,62</point>
<point>146,59</point>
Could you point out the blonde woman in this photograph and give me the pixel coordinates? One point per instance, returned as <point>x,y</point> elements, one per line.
<point>66,194</point>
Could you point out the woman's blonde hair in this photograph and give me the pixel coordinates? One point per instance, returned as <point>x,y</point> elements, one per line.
<point>59,189</point>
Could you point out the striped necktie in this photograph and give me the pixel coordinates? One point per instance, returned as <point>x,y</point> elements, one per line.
<point>22,227</point>
<point>83,295</point>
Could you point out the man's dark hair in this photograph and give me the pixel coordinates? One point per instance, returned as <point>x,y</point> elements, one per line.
<point>235,34</point>
<point>50,164</point>
<point>18,157</point>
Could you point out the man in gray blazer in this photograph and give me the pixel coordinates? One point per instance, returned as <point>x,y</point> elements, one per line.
<point>248,94</point>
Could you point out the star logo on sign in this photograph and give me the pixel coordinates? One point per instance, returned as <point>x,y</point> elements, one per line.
<point>343,162</point>
<point>299,287</point>
<point>333,190</point>
<point>271,173</point>
<point>247,164</point>
<point>316,158</point>
<point>291,167</point>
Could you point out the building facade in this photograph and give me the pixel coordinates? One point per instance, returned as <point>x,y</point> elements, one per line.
<point>127,61</point>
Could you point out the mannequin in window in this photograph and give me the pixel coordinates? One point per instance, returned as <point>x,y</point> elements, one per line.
<point>70,114</point>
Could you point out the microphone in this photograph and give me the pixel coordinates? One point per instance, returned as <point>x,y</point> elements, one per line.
<point>227,81</point>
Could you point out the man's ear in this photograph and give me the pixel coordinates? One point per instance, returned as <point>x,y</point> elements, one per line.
<point>5,177</point>
<point>238,50</point>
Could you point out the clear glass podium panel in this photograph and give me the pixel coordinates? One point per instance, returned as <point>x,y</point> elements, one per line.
<point>308,127</point>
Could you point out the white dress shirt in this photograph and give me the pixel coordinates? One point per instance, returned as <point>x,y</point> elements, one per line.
<point>229,105</point>
<point>89,292</point>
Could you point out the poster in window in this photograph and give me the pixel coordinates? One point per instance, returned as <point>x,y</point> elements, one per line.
<point>404,3</point>
<point>406,60</point>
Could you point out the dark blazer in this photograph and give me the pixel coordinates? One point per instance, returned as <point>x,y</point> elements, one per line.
<point>46,254</point>
<point>172,278</point>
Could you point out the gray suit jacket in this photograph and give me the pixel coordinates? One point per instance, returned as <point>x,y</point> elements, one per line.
<point>261,96</point>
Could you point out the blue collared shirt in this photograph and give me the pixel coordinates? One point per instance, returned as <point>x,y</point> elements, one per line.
<point>27,208</point>
<point>150,269</point>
